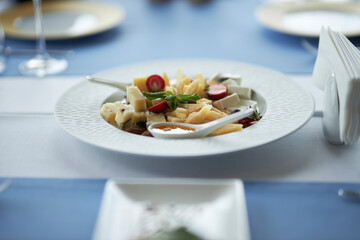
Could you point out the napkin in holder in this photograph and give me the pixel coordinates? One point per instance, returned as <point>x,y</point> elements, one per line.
<point>338,60</point>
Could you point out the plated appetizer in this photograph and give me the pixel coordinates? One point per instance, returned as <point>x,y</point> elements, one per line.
<point>196,100</point>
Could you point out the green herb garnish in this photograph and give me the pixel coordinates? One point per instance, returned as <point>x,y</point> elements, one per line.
<point>256,116</point>
<point>171,99</point>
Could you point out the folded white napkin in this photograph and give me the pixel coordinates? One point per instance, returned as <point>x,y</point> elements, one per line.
<point>338,55</point>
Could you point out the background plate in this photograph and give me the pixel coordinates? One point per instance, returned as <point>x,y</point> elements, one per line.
<point>62,19</point>
<point>212,209</point>
<point>306,18</point>
<point>288,106</point>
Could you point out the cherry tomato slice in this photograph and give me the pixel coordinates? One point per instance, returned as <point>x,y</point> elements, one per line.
<point>217,91</point>
<point>158,108</point>
<point>155,83</point>
<point>246,120</point>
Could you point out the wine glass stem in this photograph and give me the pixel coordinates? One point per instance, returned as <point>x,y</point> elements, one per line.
<point>39,30</point>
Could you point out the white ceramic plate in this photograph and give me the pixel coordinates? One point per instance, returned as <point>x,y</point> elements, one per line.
<point>211,209</point>
<point>284,104</point>
<point>305,18</point>
<point>62,19</point>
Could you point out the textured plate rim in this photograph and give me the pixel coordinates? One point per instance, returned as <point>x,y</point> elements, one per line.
<point>66,111</point>
<point>269,15</point>
<point>106,22</point>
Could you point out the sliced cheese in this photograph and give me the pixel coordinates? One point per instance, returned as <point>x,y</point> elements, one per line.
<point>136,99</point>
<point>232,100</point>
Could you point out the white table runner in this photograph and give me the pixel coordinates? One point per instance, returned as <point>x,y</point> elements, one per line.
<point>33,145</point>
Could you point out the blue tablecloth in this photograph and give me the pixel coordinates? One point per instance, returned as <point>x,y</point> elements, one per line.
<point>178,29</point>
<point>67,209</point>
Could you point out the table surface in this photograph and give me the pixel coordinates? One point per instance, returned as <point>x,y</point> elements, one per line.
<point>38,154</point>
<point>276,210</point>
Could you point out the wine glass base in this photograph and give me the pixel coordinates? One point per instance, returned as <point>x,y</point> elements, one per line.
<point>40,66</point>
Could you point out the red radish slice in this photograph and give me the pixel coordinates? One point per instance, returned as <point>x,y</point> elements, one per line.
<point>155,83</point>
<point>217,91</point>
<point>158,108</point>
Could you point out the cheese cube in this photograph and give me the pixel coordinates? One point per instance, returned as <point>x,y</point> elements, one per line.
<point>124,114</point>
<point>235,77</point>
<point>220,78</point>
<point>141,84</point>
<point>136,99</point>
<point>138,116</point>
<point>250,103</point>
<point>232,100</point>
<point>108,112</point>
<point>243,92</point>
<point>155,117</point>
<point>229,82</point>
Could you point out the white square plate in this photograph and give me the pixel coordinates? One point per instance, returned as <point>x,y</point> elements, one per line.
<point>210,209</point>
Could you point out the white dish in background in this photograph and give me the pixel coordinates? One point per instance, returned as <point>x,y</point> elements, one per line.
<point>305,18</point>
<point>284,104</point>
<point>62,19</point>
<point>211,209</point>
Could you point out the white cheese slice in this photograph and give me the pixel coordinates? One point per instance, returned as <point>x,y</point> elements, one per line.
<point>244,104</point>
<point>230,82</point>
<point>243,92</point>
<point>232,100</point>
<point>249,103</point>
<point>220,78</point>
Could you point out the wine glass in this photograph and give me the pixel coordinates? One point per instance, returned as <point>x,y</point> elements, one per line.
<point>2,50</point>
<point>42,64</point>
